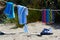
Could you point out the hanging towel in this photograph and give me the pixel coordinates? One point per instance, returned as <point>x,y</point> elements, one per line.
<point>50,16</point>
<point>47,15</point>
<point>22,14</point>
<point>44,16</point>
<point>9,10</point>
<point>53,17</point>
<point>25,28</point>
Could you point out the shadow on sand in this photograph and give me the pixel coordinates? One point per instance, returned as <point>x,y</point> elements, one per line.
<point>56,25</point>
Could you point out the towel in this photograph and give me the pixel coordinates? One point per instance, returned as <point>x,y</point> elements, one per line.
<point>44,16</point>
<point>9,10</point>
<point>25,28</point>
<point>53,17</point>
<point>50,16</point>
<point>47,15</point>
<point>22,14</point>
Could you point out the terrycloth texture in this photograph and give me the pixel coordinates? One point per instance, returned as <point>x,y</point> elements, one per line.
<point>44,16</point>
<point>47,15</point>
<point>25,28</point>
<point>22,14</point>
<point>9,10</point>
<point>51,16</point>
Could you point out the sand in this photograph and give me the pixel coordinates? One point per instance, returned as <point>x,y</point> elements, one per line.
<point>33,28</point>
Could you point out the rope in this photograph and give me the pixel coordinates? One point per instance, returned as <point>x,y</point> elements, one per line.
<point>42,9</point>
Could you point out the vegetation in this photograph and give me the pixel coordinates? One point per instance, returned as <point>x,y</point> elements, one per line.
<point>33,15</point>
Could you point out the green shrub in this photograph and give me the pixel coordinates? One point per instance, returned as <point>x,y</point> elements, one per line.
<point>33,16</point>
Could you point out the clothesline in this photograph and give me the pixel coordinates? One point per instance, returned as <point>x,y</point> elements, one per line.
<point>42,9</point>
<point>37,9</point>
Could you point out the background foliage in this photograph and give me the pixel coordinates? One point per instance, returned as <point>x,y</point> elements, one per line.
<point>33,15</point>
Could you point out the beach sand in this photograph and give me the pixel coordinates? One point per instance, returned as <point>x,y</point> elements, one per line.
<point>33,28</point>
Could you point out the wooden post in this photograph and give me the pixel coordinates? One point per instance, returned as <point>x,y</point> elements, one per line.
<point>2,5</point>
